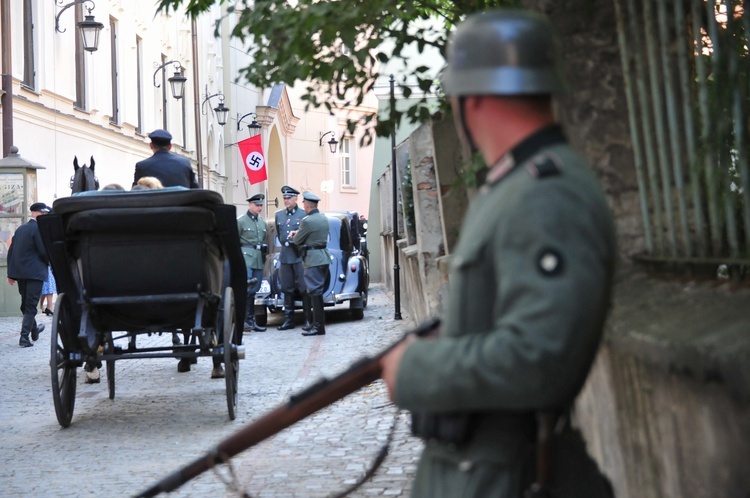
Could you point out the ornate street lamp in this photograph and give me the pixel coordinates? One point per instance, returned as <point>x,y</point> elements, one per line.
<point>89,27</point>
<point>176,82</point>
<point>332,143</point>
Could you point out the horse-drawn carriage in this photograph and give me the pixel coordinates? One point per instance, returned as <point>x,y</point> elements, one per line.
<point>135,264</point>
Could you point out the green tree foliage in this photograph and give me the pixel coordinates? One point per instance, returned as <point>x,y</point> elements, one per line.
<point>336,47</point>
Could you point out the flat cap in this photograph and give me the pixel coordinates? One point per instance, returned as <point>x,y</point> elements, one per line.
<point>310,197</point>
<point>160,135</point>
<point>39,207</point>
<point>257,199</point>
<point>287,191</point>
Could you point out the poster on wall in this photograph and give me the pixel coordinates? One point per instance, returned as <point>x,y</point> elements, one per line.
<point>11,208</point>
<point>11,193</point>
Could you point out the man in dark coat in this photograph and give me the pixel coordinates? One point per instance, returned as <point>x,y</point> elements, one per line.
<point>27,265</point>
<point>291,272</point>
<point>172,170</point>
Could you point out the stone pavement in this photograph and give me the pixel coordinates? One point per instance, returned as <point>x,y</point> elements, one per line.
<point>162,420</point>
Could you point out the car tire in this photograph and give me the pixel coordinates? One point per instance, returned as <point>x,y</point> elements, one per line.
<point>358,313</point>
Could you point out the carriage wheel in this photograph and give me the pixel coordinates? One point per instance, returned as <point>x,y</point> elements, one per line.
<point>109,348</point>
<point>62,366</point>
<point>231,361</point>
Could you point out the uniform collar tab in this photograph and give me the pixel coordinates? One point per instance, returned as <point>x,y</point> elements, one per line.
<point>524,151</point>
<point>530,145</point>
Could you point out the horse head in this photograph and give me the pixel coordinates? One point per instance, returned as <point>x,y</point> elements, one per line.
<point>83,178</point>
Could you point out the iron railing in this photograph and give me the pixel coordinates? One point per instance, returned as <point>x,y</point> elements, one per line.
<point>686,71</point>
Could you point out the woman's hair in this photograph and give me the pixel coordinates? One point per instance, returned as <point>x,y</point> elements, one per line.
<point>150,182</point>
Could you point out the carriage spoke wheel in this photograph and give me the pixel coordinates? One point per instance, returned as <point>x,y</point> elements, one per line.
<point>63,368</point>
<point>231,361</point>
<point>109,348</point>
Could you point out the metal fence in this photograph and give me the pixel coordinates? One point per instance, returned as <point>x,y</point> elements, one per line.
<point>687,80</point>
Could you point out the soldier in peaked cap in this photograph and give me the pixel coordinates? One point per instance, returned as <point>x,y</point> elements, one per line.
<point>252,229</point>
<point>27,265</point>
<point>172,170</point>
<point>312,237</point>
<point>530,282</point>
<point>291,272</point>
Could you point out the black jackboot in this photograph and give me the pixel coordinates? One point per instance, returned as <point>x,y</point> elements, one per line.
<point>307,310</point>
<point>288,312</point>
<point>319,317</point>
<point>250,315</point>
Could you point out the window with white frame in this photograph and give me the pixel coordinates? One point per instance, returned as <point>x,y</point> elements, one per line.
<point>348,165</point>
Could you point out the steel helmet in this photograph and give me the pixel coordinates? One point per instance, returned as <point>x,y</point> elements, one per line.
<point>502,52</point>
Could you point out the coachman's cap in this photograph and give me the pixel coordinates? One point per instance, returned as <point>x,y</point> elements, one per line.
<point>160,135</point>
<point>257,199</point>
<point>39,207</point>
<point>310,197</point>
<point>287,192</point>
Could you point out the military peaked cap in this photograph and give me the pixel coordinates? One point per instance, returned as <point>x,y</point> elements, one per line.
<point>257,199</point>
<point>160,135</point>
<point>310,197</point>
<point>287,191</point>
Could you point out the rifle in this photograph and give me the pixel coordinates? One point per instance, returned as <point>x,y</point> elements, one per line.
<point>301,405</point>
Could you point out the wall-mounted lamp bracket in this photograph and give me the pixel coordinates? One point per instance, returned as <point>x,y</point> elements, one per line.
<point>254,125</point>
<point>221,110</point>
<point>89,27</point>
<point>177,81</point>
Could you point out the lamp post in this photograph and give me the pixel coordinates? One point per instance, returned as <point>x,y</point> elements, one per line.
<point>332,143</point>
<point>396,267</point>
<point>89,27</point>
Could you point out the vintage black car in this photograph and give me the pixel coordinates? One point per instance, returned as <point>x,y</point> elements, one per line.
<point>350,273</point>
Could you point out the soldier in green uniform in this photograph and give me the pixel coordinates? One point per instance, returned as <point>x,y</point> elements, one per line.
<point>312,239</point>
<point>291,272</point>
<point>252,229</point>
<point>530,277</point>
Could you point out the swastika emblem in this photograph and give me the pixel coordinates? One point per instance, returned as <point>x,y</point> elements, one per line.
<point>255,161</point>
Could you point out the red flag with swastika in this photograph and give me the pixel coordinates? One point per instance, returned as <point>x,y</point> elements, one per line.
<point>251,152</point>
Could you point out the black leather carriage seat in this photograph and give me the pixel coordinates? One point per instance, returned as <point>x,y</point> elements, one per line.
<point>144,243</point>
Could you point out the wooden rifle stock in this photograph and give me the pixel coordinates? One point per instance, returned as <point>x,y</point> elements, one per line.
<point>299,406</point>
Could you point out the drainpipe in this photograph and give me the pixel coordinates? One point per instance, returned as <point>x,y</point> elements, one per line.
<point>6,99</point>
<point>197,99</point>
<point>228,152</point>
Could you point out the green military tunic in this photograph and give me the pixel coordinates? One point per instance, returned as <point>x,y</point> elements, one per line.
<point>252,234</point>
<point>313,233</point>
<point>529,288</point>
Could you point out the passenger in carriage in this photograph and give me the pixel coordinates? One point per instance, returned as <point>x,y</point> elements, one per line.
<point>148,183</point>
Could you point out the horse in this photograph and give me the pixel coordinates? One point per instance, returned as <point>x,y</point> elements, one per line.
<point>83,178</point>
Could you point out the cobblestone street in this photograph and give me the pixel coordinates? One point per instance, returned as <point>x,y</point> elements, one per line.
<point>161,420</point>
